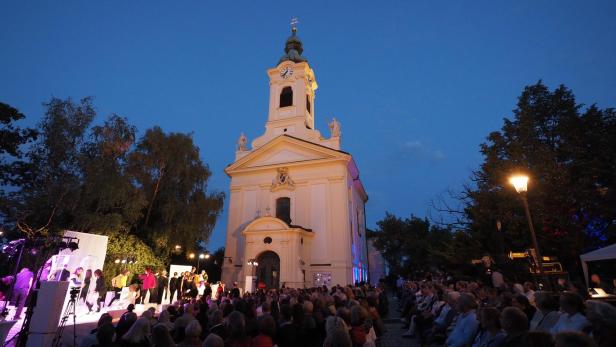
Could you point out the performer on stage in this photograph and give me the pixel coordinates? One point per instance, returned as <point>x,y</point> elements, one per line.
<point>85,287</point>
<point>148,284</point>
<point>161,289</point>
<point>62,274</point>
<point>75,279</point>
<point>100,291</point>
<point>174,285</point>
<point>117,283</point>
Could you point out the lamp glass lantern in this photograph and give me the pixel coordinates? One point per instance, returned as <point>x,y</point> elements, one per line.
<point>520,183</point>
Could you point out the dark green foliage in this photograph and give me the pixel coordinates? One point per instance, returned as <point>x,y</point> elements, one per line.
<point>412,244</point>
<point>169,172</point>
<point>100,179</point>
<point>568,151</point>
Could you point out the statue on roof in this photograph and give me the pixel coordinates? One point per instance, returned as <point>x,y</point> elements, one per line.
<point>241,143</point>
<point>334,128</point>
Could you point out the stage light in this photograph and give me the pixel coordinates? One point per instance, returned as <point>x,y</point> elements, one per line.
<point>201,256</point>
<point>207,256</point>
<point>191,255</point>
<point>178,247</point>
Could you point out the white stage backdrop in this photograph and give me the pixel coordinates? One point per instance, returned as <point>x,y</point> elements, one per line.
<point>89,255</point>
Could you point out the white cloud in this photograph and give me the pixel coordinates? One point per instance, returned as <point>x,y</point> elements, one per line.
<point>417,149</point>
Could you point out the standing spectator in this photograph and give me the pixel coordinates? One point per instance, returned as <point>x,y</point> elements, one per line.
<point>515,324</point>
<point>21,289</point>
<point>466,324</point>
<point>547,312</point>
<point>571,319</point>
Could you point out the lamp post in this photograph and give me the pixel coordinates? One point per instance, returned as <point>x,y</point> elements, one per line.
<point>201,256</point>
<point>520,183</point>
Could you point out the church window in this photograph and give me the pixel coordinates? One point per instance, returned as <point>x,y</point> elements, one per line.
<point>286,97</point>
<point>283,209</point>
<point>267,240</point>
<point>308,103</point>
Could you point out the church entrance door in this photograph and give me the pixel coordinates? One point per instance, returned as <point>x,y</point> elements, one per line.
<point>268,270</point>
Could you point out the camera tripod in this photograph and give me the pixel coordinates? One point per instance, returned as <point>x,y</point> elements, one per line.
<point>70,310</point>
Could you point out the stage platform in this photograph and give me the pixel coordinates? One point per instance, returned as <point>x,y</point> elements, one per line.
<point>84,322</point>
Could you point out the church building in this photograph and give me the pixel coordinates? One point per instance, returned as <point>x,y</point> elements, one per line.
<point>296,204</point>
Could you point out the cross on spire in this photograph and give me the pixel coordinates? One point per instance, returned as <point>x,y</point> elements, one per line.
<point>294,22</point>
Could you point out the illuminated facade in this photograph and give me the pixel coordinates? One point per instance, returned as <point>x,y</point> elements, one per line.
<point>296,204</point>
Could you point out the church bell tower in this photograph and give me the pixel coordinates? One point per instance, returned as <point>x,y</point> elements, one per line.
<point>292,94</point>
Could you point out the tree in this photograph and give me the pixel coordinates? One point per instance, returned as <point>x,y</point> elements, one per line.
<point>108,199</point>
<point>412,244</point>
<point>568,152</point>
<point>173,179</point>
<point>49,183</point>
<point>12,138</point>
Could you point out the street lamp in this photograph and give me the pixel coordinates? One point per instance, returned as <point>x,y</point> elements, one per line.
<point>201,256</point>
<point>520,183</point>
<point>191,256</point>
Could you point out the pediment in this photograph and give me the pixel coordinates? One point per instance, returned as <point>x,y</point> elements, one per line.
<point>266,224</point>
<point>285,150</point>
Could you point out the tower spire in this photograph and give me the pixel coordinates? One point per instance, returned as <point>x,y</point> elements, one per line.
<point>293,47</point>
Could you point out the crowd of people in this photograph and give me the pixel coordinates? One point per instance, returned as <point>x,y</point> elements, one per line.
<point>340,316</point>
<point>439,310</point>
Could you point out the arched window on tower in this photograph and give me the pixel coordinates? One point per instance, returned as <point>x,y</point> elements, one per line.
<point>283,209</point>
<point>308,108</point>
<point>286,97</point>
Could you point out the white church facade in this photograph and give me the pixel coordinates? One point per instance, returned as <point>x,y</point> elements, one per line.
<point>296,202</point>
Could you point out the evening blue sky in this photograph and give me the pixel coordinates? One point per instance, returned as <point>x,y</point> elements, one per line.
<point>417,86</point>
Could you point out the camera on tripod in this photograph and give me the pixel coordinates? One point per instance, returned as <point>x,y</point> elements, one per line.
<point>74,292</point>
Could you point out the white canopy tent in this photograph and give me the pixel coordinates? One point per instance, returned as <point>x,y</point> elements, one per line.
<point>605,253</point>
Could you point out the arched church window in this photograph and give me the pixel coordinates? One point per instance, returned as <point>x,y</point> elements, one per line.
<point>283,209</point>
<point>286,97</point>
<point>308,104</point>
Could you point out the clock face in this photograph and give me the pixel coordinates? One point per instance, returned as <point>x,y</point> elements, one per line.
<point>286,72</point>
